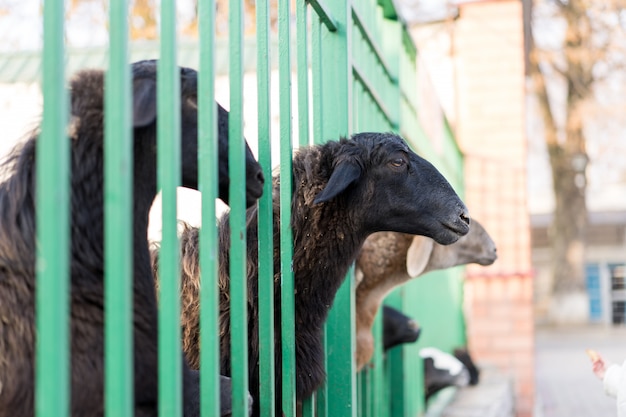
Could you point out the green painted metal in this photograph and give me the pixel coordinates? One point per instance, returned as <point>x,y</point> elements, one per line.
<point>374,48</point>
<point>378,401</point>
<point>304,138</point>
<point>303,73</point>
<point>118,215</point>
<point>317,73</point>
<point>286,238</point>
<point>321,396</point>
<point>355,71</point>
<point>324,14</point>
<point>237,200</point>
<point>320,402</point>
<point>52,395</point>
<point>340,350</point>
<point>207,184</point>
<point>266,237</point>
<point>168,178</point>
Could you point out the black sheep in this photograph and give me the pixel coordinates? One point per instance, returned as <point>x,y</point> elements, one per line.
<point>398,328</point>
<point>343,191</point>
<point>18,247</point>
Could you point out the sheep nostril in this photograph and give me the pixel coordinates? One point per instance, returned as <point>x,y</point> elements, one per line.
<point>260,178</point>
<point>465,217</point>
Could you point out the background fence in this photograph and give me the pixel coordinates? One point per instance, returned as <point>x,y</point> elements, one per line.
<point>341,67</point>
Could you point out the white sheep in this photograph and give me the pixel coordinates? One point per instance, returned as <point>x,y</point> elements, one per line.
<point>389,259</point>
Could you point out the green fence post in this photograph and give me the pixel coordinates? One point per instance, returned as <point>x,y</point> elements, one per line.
<point>118,249</point>
<point>52,385</point>
<point>237,200</point>
<point>336,115</point>
<point>168,147</point>
<point>308,404</point>
<point>266,230</point>
<point>286,239</point>
<point>207,184</point>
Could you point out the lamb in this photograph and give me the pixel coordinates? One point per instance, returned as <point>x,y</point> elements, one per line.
<point>389,259</point>
<point>18,248</point>
<point>343,191</point>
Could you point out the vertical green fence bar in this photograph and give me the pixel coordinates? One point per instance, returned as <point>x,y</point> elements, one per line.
<point>308,405</point>
<point>52,385</point>
<point>266,230</point>
<point>377,372</point>
<point>207,184</point>
<point>118,216</point>
<point>169,160</point>
<point>286,239</point>
<point>340,350</point>
<point>238,274</point>
<point>317,74</point>
<point>303,73</point>
<point>336,114</point>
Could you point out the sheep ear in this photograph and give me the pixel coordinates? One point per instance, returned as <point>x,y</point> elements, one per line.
<point>345,173</point>
<point>358,276</point>
<point>418,255</point>
<point>144,102</point>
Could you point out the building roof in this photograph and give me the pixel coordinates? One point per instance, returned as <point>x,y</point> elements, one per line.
<point>25,66</point>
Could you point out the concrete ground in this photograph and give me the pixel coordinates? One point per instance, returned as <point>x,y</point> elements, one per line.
<point>565,385</point>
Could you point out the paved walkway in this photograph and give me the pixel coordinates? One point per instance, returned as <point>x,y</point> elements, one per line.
<point>565,385</point>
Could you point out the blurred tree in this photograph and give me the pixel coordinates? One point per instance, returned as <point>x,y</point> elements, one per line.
<point>143,23</point>
<point>575,45</point>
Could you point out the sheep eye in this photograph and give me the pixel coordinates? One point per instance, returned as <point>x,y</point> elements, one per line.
<point>398,162</point>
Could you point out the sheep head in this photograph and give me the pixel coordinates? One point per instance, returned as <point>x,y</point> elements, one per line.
<point>398,328</point>
<point>475,247</point>
<point>144,117</point>
<point>396,189</point>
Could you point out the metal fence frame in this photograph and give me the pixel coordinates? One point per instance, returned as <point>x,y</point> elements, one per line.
<point>355,71</point>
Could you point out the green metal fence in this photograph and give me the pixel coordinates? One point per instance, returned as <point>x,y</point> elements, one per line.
<point>355,70</point>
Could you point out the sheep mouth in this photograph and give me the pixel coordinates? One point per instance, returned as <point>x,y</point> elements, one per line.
<point>458,228</point>
<point>488,260</point>
<point>256,191</point>
<point>450,232</point>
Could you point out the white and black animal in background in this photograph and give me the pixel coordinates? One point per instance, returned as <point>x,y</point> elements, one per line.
<point>18,248</point>
<point>398,328</point>
<point>389,259</point>
<point>443,370</point>
<point>343,191</point>
<point>463,355</point>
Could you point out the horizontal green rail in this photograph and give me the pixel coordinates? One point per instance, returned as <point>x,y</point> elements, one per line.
<point>369,38</point>
<point>324,14</point>
<point>360,77</point>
